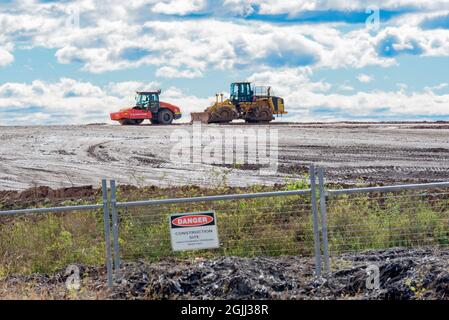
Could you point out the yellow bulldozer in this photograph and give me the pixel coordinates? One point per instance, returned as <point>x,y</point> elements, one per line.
<point>252,104</point>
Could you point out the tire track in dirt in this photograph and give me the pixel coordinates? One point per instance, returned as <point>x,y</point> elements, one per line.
<point>101,155</point>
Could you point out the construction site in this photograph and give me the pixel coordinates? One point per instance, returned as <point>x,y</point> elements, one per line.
<point>65,187</point>
<point>368,153</point>
<point>235,151</point>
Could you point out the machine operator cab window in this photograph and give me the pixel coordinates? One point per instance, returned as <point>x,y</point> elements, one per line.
<point>148,100</point>
<point>241,92</point>
<point>142,100</point>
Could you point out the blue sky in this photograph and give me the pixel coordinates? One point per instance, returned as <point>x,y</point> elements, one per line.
<point>75,61</point>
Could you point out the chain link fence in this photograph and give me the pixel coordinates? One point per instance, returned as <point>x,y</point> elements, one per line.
<point>36,237</point>
<point>247,227</point>
<point>45,243</point>
<point>314,221</point>
<point>255,224</point>
<point>407,216</point>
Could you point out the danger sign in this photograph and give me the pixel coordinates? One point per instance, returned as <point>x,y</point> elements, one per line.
<point>193,231</point>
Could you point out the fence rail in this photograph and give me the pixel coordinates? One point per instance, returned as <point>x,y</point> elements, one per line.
<point>51,209</point>
<point>317,222</point>
<point>403,187</point>
<point>212,198</point>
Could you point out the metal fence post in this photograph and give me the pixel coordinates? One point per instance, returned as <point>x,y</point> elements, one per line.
<point>115,228</point>
<point>323,211</point>
<point>316,231</point>
<point>107,226</point>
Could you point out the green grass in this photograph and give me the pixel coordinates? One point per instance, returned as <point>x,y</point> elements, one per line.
<point>46,243</point>
<point>397,219</point>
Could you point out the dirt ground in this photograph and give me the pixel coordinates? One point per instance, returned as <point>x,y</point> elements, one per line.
<point>65,156</point>
<point>404,274</point>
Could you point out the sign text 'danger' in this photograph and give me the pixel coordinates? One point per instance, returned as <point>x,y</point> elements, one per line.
<point>192,220</point>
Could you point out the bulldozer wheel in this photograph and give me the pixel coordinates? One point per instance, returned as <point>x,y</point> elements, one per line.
<point>225,115</point>
<point>222,115</point>
<point>260,114</point>
<point>265,115</point>
<point>165,117</point>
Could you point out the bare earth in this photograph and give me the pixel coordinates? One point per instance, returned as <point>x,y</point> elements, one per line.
<point>61,156</point>
<point>405,274</point>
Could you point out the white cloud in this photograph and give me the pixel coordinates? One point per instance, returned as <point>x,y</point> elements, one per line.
<point>364,78</point>
<point>440,86</point>
<point>345,87</point>
<point>181,7</point>
<point>5,57</point>
<point>170,72</point>
<point>286,81</point>
<point>402,87</point>
<point>437,87</point>
<point>123,36</point>
<point>239,7</point>
<point>293,6</point>
<point>211,44</point>
<point>127,88</point>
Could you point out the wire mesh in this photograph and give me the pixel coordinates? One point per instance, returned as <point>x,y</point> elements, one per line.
<point>44,243</point>
<point>247,227</point>
<point>382,220</point>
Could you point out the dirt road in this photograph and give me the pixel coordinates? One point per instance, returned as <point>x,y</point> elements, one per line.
<point>62,156</point>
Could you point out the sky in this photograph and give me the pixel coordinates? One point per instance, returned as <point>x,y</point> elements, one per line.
<point>73,62</point>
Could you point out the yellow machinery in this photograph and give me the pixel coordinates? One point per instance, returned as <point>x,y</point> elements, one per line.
<point>252,104</point>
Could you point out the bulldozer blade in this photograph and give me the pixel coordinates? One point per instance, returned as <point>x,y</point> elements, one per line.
<point>202,117</point>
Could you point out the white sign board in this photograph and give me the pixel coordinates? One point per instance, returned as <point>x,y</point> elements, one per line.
<point>193,231</point>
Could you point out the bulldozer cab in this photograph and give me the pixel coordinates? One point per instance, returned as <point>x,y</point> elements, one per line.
<point>148,100</point>
<point>241,92</point>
